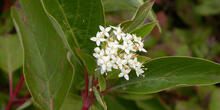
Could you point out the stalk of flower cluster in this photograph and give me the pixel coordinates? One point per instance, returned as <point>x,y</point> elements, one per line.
<point>117,50</point>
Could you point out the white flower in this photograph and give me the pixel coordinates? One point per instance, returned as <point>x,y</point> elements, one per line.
<point>118,33</point>
<point>127,38</point>
<point>136,39</point>
<point>124,73</point>
<point>105,30</point>
<point>118,51</point>
<point>99,54</point>
<point>139,71</point>
<point>98,39</point>
<point>133,63</point>
<point>140,47</point>
<point>126,47</point>
<point>120,62</point>
<point>128,57</point>
<point>112,47</point>
<point>105,63</point>
<point>97,50</point>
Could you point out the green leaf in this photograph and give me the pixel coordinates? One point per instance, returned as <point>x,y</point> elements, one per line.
<point>48,74</point>
<point>88,61</point>
<point>76,20</point>
<point>121,5</point>
<point>143,31</point>
<point>168,72</point>
<point>102,82</point>
<point>11,56</point>
<point>113,74</point>
<point>139,17</point>
<point>215,99</point>
<point>152,104</point>
<point>136,96</point>
<point>71,102</point>
<point>99,99</point>
<point>113,103</point>
<point>143,59</point>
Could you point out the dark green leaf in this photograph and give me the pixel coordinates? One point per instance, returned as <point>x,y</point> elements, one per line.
<point>48,74</point>
<point>121,5</point>
<point>152,104</point>
<point>11,56</point>
<point>167,72</point>
<point>88,61</point>
<point>139,18</point>
<point>136,96</point>
<point>102,82</point>
<point>76,20</point>
<point>143,31</point>
<point>113,103</point>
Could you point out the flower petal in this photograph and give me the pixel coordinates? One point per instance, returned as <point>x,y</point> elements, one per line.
<point>126,77</point>
<point>101,28</point>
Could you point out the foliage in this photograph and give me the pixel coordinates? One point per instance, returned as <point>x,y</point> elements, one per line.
<point>46,43</point>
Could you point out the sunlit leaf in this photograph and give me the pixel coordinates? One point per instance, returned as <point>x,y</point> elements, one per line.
<point>144,30</point>
<point>11,56</point>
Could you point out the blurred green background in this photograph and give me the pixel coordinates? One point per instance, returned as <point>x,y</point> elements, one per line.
<point>189,28</point>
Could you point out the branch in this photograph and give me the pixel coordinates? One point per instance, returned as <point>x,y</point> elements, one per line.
<point>14,95</point>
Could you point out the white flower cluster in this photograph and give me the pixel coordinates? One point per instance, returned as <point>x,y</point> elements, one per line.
<point>116,49</point>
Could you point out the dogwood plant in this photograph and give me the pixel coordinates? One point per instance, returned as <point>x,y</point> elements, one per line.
<point>117,50</point>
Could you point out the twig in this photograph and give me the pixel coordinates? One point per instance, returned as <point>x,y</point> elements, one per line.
<point>14,95</point>
<point>85,95</point>
<point>87,83</point>
<point>19,86</point>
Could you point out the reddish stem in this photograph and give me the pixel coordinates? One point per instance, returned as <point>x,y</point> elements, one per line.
<point>85,108</point>
<point>87,83</point>
<point>85,95</point>
<point>9,105</point>
<point>19,86</point>
<point>88,100</point>
<point>14,95</point>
